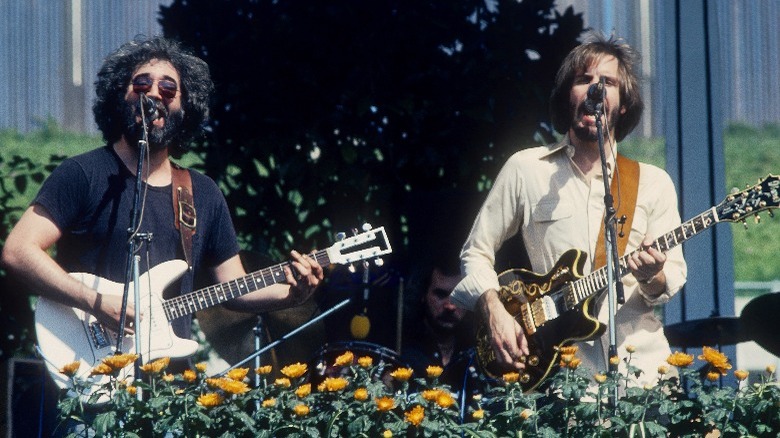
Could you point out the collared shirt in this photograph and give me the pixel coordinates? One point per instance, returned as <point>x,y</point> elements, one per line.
<point>541,193</point>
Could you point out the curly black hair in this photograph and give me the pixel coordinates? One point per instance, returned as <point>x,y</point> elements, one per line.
<point>117,70</point>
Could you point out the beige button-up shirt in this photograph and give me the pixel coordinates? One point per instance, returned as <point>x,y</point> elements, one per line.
<point>542,194</point>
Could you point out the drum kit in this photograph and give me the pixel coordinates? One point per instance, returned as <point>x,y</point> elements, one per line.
<point>757,322</point>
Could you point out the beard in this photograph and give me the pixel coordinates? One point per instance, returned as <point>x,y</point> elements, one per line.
<point>585,133</point>
<point>159,138</point>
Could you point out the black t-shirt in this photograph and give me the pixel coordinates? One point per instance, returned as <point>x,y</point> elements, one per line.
<point>90,199</point>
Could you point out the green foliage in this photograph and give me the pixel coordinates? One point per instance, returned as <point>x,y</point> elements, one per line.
<point>358,402</point>
<point>332,113</point>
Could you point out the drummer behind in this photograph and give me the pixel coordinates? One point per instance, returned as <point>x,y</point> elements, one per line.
<point>436,332</point>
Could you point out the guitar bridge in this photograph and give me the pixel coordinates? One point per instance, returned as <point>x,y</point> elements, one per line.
<point>99,335</point>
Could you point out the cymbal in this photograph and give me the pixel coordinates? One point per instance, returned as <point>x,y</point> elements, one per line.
<point>717,330</point>
<point>760,321</point>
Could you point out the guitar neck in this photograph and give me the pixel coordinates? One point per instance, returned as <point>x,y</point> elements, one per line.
<point>598,279</point>
<point>219,293</point>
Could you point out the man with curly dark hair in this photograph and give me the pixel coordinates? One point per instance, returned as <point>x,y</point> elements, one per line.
<point>553,196</point>
<point>85,206</point>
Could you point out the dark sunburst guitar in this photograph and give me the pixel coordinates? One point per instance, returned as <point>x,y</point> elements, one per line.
<point>556,309</point>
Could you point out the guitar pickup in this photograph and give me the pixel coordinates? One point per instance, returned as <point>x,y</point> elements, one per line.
<point>99,335</point>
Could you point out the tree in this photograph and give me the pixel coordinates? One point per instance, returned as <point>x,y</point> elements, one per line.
<point>329,113</point>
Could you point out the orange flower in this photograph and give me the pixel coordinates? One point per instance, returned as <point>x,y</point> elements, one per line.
<point>119,361</point>
<point>71,368</point>
<point>478,414</point>
<point>569,349</point>
<point>210,400</point>
<point>511,377</point>
<point>233,386</point>
<point>132,390</point>
<point>415,415</point>
<point>662,370</point>
<point>526,414</point>
<point>574,363</point>
<point>566,358</point>
<point>715,358</point>
<point>402,374</point>
<point>344,359</point>
<point>101,369</point>
<point>434,371</point>
<point>283,382</point>
<point>189,376</point>
<point>332,384</point>
<point>295,370</point>
<point>303,390</point>
<point>301,410</point>
<point>168,377</point>
<point>713,376</point>
<point>157,366</point>
<point>741,375</point>
<point>680,359</point>
<point>387,434</point>
<point>601,378</point>
<point>365,361</point>
<point>269,403</point>
<point>384,404</point>
<point>630,349</point>
<point>263,370</point>
<point>238,373</point>
<point>770,369</point>
<point>201,367</point>
<point>614,360</point>
<point>361,394</point>
<point>431,394</point>
<point>445,400</point>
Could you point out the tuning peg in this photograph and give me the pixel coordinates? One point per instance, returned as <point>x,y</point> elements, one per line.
<point>757,218</point>
<point>351,268</point>
<point>367,227</point>
<point>340,236</point>
<point>379,262</point>
<point>744,224</point>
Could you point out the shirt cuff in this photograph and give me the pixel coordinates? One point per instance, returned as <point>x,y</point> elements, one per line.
<point>468,291</point>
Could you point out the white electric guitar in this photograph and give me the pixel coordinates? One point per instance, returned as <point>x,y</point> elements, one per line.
<point>67,335</point>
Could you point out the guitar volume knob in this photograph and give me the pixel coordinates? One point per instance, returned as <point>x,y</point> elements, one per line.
<point>525,378</point>
<point>533,360</point>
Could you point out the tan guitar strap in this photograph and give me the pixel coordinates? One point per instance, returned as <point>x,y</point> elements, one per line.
<point>183,208</point>
<point>624,187</point>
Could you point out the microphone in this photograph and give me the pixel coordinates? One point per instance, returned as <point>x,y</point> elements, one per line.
<point>595,100</point>
<point>148,107</point>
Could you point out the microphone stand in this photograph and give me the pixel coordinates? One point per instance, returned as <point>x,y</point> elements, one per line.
<point>615,288</point>
<point>133,244</point>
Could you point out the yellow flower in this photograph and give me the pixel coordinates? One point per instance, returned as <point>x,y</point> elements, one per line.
<point>332,384</point>
<point>566,358</point>
<point>569,349</point>
<point>269,403</point>
<point>210,400</point>
<point>630,349</point>
<point>263,370</point>
<point>71,368</point>
<point>526,414</point>
<point>415,415</point>
<point>431,394</point>
<point>384,404</point>
<point>511,377</point>
<point>132,390</point>
<point>387,434</point>
<point>601,378</point>
<point>295,370</point>
<point>614,360</point>
<point>434,371</point>
<point>168,377</point>
<point>344,359</point>
<point>238,373</point>
<point>119,361</point>
<point>101,369</point>
<point>716,359</point>
<point>233,386</point>
<point>189,376</point>
<point>213,382</point>
<point>574,363</point>
<point>402,374</point>
<point>365,361</point>
<point>301,410</point>
<point>478,414</point>
<point>445,399</point>
<point>741,375</point>
<point>303,390</point>
<point>713,376</point>
<point>157,366</point>
<point>662,370</point>
<point>680,359</point>
<point>284,382</point>
<point>201,367</point>
<point>361,394</point>
<point>770,369</point>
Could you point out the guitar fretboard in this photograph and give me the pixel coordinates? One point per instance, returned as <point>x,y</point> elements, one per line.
<point>596,281</point>
<point>210,296</point>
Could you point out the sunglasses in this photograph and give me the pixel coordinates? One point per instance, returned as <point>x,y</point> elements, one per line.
<point>166,87</point>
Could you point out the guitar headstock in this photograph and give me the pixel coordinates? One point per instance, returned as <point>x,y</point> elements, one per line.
<point>370,244</point>
<point>763,196</point>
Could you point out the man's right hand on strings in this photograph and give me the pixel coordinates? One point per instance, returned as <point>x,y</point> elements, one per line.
<point>506,334</point>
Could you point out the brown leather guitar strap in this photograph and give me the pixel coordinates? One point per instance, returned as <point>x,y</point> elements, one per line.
<point>624,187</point>
<point>183,208</point>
